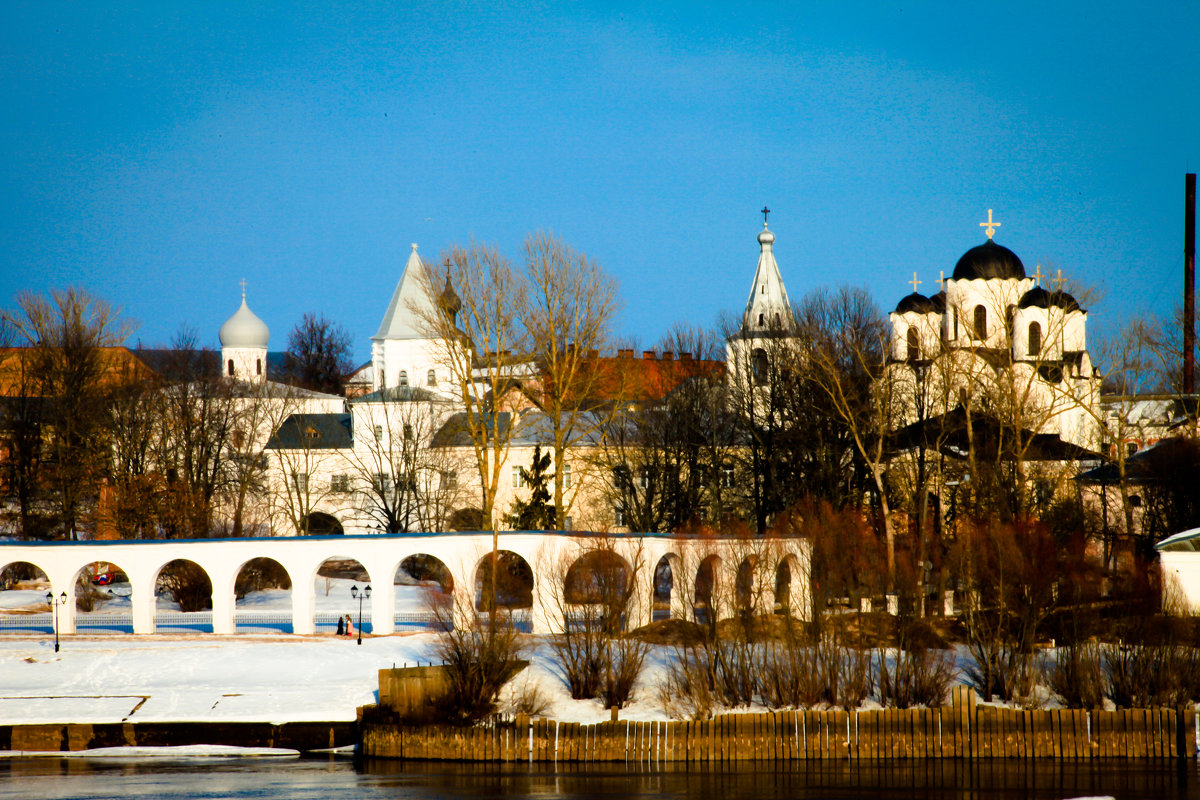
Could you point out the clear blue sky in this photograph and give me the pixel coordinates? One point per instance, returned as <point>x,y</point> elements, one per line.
<point>159,153</point>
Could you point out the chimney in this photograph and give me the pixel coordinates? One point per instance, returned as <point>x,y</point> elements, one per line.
<point>685,356</point>
<point>648,355</point>
<point>624,354</point>
<point>668,355</point>
<point>1189,284</point>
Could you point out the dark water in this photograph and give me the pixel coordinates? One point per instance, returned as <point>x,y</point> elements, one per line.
<point>320,778</point>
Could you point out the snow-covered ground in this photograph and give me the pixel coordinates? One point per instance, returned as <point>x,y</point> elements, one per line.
<point>242,678</point>
<point>266,678</point>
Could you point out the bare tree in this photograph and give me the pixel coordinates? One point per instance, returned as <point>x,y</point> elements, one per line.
<point>477,327</point>
<point>571,307</point>
<point>845,342</point>
<point>319,354</point>
<point>404,484</point>
<point>68,332</point>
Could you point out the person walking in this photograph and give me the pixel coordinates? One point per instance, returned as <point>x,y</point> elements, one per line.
<point>349,626</point>
<point>341,626</point>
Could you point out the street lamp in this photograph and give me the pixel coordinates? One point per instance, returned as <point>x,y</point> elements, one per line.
<point>61,601</point>
<point>354,592</point>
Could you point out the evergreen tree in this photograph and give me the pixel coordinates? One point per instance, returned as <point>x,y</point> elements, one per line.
<point>536,514</point>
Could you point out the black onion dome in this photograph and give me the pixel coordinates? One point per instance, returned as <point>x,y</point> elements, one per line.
<point>915,302</point>
<point>938,301</point>
<point>988,261</point>
<point>1037,297</point>
<point>449,299</point>
<point>1064,301</point>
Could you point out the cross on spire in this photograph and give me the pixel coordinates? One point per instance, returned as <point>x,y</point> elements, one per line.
<point>942,278</point>
<point>1059,281</point>
<point>1037,275</point>
<point>989,226</point>
<point>915,282</point>
<point>764,212</point>
<point>243,282</point>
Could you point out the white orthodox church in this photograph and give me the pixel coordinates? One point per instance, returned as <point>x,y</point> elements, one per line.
<point>995,343</point>
<point>766,321</point>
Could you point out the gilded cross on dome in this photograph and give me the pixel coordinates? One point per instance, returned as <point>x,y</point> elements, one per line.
<point>1037,275</point>
<point>989,226</point>
<point>1059,281</point>
<point>915,282</point>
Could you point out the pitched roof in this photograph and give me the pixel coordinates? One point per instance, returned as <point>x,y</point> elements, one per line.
<point>313,432</point>
<point>409,302</point>
<point>768,298</point>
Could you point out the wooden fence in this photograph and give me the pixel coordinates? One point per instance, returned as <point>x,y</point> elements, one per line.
<point>961,731</point>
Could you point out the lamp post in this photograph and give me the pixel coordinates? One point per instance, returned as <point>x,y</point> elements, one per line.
<point>354,592</point>
<point>61,600</point>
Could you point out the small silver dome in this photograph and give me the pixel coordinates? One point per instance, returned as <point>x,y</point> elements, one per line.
<point>244,329</point>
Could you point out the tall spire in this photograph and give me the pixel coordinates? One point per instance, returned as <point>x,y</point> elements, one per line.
<point>768,308</point>
<point>410,304</point>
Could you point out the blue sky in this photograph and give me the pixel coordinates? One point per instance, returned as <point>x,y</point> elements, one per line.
<point>158,153</point>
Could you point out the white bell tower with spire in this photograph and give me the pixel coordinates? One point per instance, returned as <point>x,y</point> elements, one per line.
<point>767,319</point>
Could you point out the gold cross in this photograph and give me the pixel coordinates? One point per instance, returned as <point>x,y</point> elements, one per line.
<point>243,288</point>
<point>989,226</point>
<point>1037,275</point>
<point>942,278</point>
<point>1059,281</point>
<point>915,282</point>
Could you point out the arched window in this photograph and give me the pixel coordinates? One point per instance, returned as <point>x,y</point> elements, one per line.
<point>914,345</point>
<point>980,322</point>
<point>759,366</point>
<point>1035,339</point>
<point>258,366</point>
<point>230,367</point>
<point>761,320</point>
<point>403,381</point>
<point>431,378</point>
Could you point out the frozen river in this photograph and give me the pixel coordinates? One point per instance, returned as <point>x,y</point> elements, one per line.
<point>308,779</point>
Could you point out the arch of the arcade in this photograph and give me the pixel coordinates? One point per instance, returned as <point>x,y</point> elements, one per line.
<point>549,557</point>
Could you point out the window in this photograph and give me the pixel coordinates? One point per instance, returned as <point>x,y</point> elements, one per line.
<point>644,478</point>
<point>619,517</point>
<point>762,320</point>
<point>726,478</point>
<point>379,433</point>
<point>758,366</point>
<point>449,480</point>
<point>231,367</point>
<point>914,345</point>
<point>300,481</point>
<point>381,482</point>
<point>339,483</point>
<point>1130,448</point>
<point>518,481</point>
<point>980,322</point>
<point>403,380</point>
<point>566,471</point>
<point>408,432</point>
<point>568,524</point>
<point>258,366</point>
<point>431,378</point>
<point>1035,339</point>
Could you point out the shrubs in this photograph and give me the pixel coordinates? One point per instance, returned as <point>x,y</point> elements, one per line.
<point>480,654</point>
